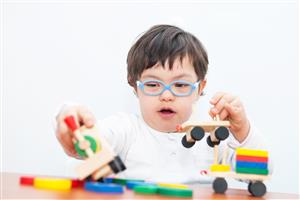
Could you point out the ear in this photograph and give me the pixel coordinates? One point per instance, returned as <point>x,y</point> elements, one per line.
<point>135,93</point>
<point>201,87</point>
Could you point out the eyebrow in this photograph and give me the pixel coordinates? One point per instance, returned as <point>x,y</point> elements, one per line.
<point>173,78</point>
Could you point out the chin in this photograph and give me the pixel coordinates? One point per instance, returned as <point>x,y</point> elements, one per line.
<point>167,129</point>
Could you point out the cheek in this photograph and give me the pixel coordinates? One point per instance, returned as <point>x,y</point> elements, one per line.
<point>186,105</point>
<point>146,103</point>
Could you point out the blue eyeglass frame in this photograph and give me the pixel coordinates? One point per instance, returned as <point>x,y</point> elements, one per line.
<point>168,87</point>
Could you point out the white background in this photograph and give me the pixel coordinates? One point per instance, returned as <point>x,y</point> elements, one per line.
<point>75,51</point>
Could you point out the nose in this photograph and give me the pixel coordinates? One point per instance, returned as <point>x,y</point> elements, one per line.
<point>166,96</point>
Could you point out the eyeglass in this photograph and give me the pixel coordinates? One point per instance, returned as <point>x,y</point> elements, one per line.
<point>179,88</point>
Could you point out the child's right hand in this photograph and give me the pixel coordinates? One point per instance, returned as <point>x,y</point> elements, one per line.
<point>83,116</point>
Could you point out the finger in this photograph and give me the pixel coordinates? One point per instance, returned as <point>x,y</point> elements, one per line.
<point>86,117</point>
<point>71,152</point>
<point>232,110</point>
<point>224,113</point>
<point>212,115</point>
<point>216,98</point>
<point>65,137</point>
<point>219,106</point>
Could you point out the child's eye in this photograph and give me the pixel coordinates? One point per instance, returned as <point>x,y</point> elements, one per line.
<point>181,85</point>
<point>152,84</point>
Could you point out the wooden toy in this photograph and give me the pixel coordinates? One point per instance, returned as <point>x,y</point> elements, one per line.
<point>26,180</point>
<point>251,165</point>
<point>195,131</point>
<point>253,170</point>
<point>173,185</point>
<point>132,184</point>
<point>164,191</point>
<point>103,187</point>
<point>175,192</point>
<point>52,183</point>
<point>100,158</point>
<point>30,180</point>
<point>146,189</point>
<point>123,181</point>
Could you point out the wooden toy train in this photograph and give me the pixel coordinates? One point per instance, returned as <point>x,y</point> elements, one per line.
<point>251,165</point>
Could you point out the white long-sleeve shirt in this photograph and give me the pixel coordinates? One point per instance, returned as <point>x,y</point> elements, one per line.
<point>157,156</point>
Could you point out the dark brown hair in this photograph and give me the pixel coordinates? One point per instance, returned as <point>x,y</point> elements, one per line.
<point>163,43</point>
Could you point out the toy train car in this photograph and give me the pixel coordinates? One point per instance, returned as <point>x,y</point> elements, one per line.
<point>195,131</point>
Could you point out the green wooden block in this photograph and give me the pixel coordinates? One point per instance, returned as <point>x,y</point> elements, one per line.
<point>244,170</point>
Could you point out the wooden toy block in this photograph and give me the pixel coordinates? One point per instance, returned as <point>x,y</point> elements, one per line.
<point>220,168</point>
<point>173,185</point>
<point>146,189</point>
<point>52,183</point>
<point>103,187</point>
<point>244,164</point>
<point>76,183</point>
<point>132,184</point>
<point>251,158</point>
<point>252,171</point>
<point>175,192</point>
<point>101,160</point>
<point>26,180</point>
<point>123,181</point>
<point>251,152</point>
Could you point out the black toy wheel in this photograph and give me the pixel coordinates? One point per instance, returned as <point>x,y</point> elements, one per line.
<point>211,143</point>
<point>117,165</point>
<point>220,185</point>
<point>249,186</point>
<point>257,189</point>
<point>185,143</point>
<point>197,133</point>
<point>222,133</point>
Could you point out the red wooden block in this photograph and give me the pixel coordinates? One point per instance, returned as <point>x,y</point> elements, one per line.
<point>77,183</point>
<point>26,180</point>
<point>251,158</point>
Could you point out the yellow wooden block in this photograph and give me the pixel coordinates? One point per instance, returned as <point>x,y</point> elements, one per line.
<point>52,183</point>
<point>220,168</point>
<point>173,185</point>
<point>251,152</point>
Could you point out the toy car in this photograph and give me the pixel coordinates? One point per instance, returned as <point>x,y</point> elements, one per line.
<point>195,131</point>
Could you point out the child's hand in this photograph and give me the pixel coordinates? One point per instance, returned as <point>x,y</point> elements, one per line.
<point>230,108</point>
<point>64,135</point>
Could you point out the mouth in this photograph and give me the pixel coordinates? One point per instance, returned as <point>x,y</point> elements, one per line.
<point>167,112</point>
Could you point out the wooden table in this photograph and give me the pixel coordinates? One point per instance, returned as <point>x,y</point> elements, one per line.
<point>11,189</point>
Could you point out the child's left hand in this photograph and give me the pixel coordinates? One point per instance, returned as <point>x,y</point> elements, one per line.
<point>230,108</point>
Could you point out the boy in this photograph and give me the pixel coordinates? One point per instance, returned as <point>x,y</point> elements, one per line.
<point>166,68</point>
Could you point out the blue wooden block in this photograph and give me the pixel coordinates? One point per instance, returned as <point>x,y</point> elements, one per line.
<point>131,184</point>
<point>103,187</point>
<point>108,180</point>
<point>255,165</point>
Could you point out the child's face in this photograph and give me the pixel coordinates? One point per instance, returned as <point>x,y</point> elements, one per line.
<point>165,111</point>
